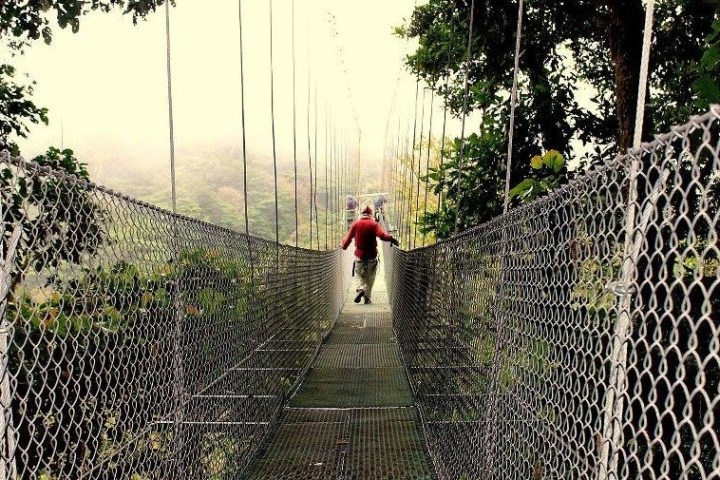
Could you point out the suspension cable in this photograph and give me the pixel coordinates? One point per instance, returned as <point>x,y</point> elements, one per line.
<point>513,103</point>
<point>412,167</point>
<point>442,148</point>
<point>274,149</point>
<point>171,121</point>
<point>244,142</point>
<point>327,196</point>
<point>441,169</point>
<point>427,161</point>
<point>178,361</point>
<point>644,68</point>
<point>309,144</point>
<point>464,115</point>
<point>294,101</point>
<point>419,168</point>
<point>614,402</point>
<point>315,131</point>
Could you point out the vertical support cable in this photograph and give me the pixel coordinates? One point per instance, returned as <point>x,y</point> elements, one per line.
<point>444,127</point>
<point>464,115</point>
<point>442,150</point>
<point>178,371</point>
<point>614,405</point>
<point>417,176</point>
<point>404,182</point>
<point>427,161</point>
<point>513,104</point>
<point>395,183</point>
<point>244,142</point>
<point>294,100</point>
<point>317,218</point>
<point>327,196</point>
<point>8,467</point>
<point>492,404</point>
<point>412,166</point>
<point>274,149</point>
<point>309,145</point>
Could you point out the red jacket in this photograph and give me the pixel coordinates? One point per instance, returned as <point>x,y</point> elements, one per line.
<point>364,230</point>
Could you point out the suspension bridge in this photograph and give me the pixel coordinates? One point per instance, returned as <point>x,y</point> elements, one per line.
<point>573,337</point>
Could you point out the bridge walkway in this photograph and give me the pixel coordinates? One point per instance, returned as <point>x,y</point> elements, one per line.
<point>352,417</point>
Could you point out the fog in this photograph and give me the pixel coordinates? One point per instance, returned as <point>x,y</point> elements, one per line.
<point>106,86</point>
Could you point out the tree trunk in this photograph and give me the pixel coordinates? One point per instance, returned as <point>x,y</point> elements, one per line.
<point>626,21</point>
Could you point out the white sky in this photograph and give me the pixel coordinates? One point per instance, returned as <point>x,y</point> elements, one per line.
<point>106,85</point>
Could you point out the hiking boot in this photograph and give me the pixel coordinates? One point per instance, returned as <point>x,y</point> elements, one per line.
<point>367,301</point>
<point>359,296</point>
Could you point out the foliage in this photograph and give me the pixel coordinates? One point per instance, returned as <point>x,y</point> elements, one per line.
<point>570,49</point>
<point>552,165</point>
<point>27,21</point>
<point>59,219</point>
<point>17,108</point>
<point>107,333</point>
<point>707,85</point>
<point>470,182</point>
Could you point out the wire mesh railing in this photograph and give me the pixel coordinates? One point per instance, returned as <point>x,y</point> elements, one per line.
<point>138,344</point>
<point>579,335</point>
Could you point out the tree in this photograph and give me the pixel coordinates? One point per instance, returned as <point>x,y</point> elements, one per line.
<point>58,217</point>
<point>17,109</point>
<point>564,43</point>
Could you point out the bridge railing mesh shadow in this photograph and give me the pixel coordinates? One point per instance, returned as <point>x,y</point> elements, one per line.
<point>577,336</point>
<point>138,344</point>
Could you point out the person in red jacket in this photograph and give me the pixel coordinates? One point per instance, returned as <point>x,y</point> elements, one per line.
<point>364,230</point>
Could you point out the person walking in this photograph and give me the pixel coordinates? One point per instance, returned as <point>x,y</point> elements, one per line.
<point>379,204</point>
<point>364,231</point>
<point>350,209</point>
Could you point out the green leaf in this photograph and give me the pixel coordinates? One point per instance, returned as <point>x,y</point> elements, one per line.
<point>554,160</point>
<point>711,56</point>
<point>536,162</point>
<point>707,90</point>
<point>523,188</point>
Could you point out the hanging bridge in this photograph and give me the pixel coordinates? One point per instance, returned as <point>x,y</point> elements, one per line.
<point>574,337</point>
<point>522,348</point>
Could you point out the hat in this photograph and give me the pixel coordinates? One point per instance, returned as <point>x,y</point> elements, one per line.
<point>367,210</point>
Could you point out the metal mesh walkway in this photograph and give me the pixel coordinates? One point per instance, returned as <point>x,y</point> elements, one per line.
<point>352,417</point>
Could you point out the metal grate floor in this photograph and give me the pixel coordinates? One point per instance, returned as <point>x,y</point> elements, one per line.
<point>352,418</point>
<point>358,356</point>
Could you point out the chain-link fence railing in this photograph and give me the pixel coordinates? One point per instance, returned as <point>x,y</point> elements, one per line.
<point>577,337</point>
<point>137,344</point>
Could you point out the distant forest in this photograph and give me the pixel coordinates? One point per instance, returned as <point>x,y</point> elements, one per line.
<point>210,188</point>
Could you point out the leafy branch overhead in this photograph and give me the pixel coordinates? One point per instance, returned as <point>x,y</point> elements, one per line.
<point>25,21</point>
<point>21,23</point>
